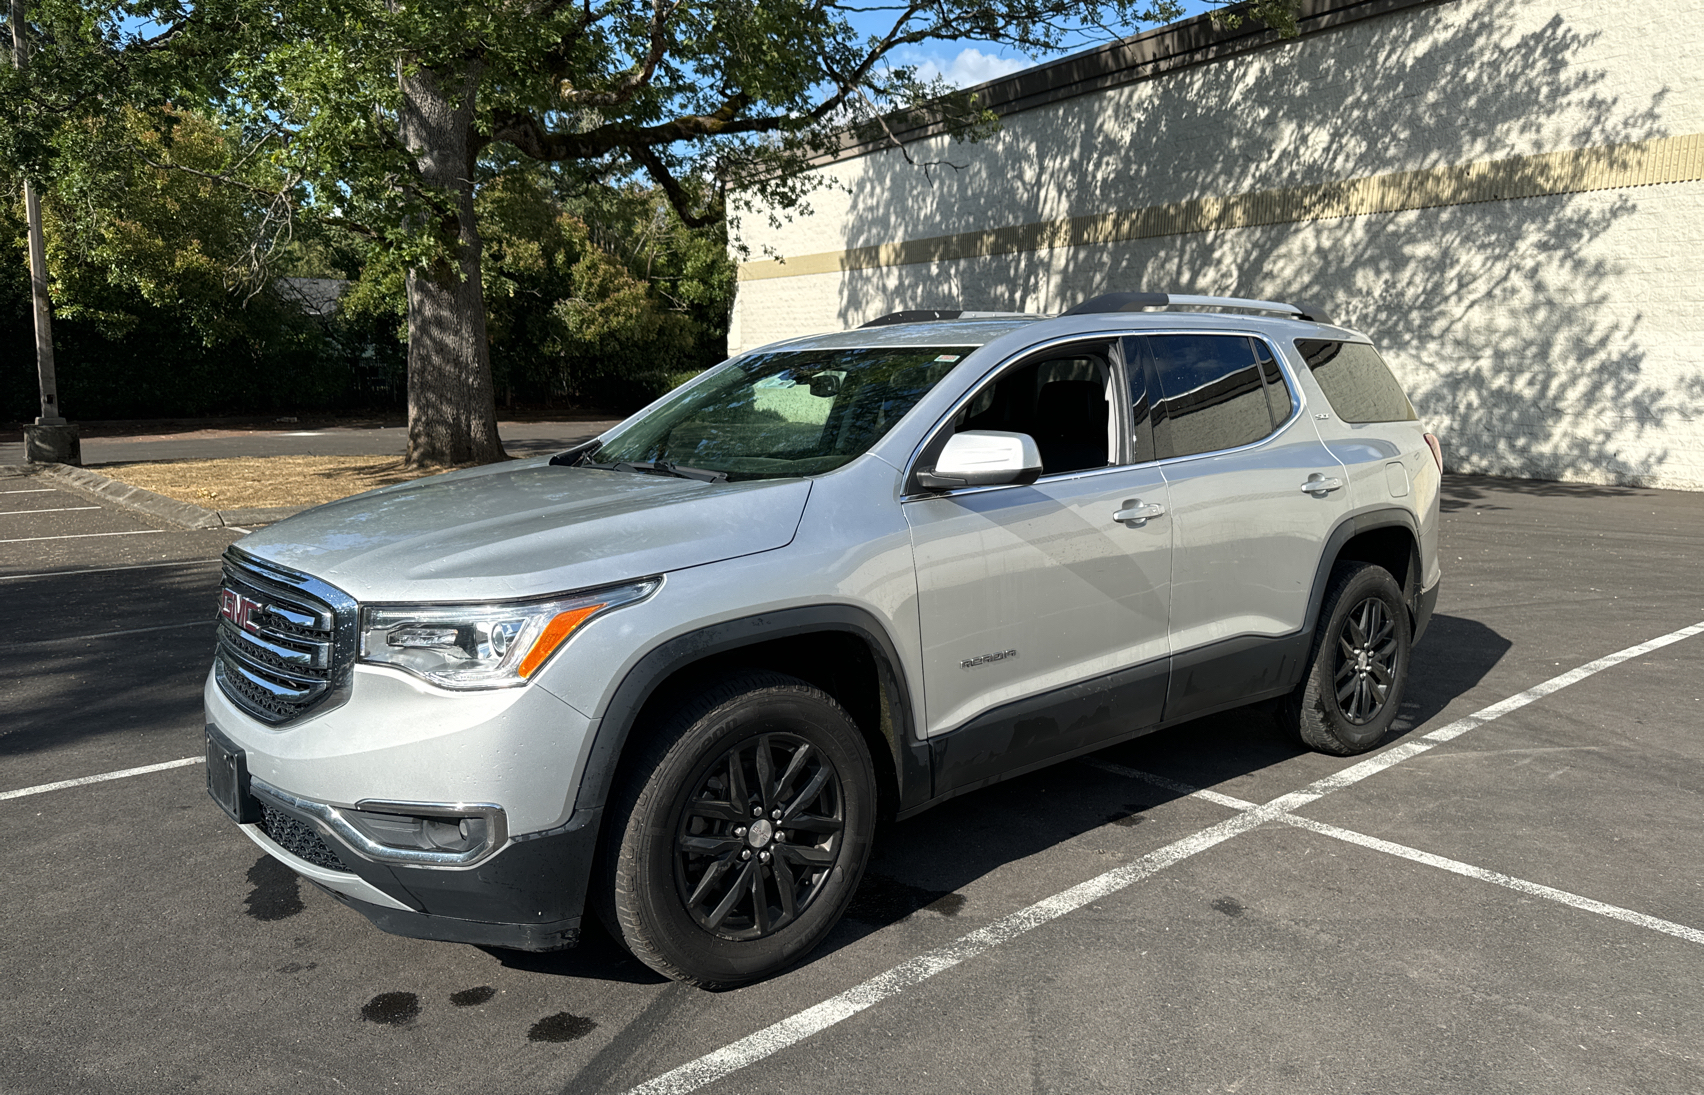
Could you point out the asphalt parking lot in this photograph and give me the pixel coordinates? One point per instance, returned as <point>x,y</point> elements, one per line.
<point>1507,896</point>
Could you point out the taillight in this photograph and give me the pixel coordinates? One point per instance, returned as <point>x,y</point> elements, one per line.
<point>1437,451</point>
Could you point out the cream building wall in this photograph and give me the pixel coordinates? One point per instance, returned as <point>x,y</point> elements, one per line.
<point>1507,195</point>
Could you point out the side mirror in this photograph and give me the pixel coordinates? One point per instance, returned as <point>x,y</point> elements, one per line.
<point>983,458</point>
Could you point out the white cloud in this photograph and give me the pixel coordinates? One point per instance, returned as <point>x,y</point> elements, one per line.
<point>970,67</point>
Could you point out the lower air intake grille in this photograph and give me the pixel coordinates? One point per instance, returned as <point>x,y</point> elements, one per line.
<point>298,839</point>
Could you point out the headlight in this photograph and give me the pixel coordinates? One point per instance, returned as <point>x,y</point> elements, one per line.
<point>483,645</point>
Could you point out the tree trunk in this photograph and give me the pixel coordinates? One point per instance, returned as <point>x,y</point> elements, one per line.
<point>452,408</point>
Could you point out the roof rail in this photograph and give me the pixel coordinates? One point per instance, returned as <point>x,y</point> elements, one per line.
<point>1130,302</point>
<point>928,315</point>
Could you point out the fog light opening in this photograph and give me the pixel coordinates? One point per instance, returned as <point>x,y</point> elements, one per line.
<point>437,832</point>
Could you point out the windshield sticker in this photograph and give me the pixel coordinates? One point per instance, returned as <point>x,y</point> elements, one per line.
<point>948,357</point>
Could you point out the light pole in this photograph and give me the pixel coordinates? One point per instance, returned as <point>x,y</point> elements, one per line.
<point>51,440</point>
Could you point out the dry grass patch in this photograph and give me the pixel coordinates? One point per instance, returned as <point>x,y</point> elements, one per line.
<point>264,481</point>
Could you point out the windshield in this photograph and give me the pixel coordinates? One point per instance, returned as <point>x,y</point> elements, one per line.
<point>783,413</point>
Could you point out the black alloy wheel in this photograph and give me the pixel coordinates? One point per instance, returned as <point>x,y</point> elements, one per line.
<point>739,830</point>
<point>1352,691</point>
<point>1366,661</point>
<point>758,836</point>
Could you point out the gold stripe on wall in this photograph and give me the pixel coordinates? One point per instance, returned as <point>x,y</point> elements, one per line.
<point>1612,167</point>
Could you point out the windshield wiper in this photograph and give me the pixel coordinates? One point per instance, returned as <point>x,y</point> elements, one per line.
<point>659,467</point>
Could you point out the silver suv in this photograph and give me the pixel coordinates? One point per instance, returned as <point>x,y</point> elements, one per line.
<point>678,674</point>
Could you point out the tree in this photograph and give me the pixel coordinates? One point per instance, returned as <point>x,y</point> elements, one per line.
<point>388,117</point>
<point>151,309</point>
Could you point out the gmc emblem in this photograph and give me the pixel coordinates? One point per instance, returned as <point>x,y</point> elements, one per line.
<point>240,610</point>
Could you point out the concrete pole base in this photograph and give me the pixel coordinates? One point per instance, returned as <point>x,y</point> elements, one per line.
<point>59,444</point>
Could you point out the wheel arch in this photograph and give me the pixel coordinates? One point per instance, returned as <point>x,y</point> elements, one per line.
<point>1388,537</point>
<point>842,649</point>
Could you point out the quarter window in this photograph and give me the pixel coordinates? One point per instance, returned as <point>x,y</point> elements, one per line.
<point>1356,380</point>
<point>1212,395</point>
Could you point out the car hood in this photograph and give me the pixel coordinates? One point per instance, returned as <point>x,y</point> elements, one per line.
<point>526,528</point>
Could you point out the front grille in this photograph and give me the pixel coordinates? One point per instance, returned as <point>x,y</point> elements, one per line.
<point>286,641</point>
<point>298,839</point>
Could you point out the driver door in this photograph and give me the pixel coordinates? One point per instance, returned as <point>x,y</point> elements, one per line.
<point>1044,616</point>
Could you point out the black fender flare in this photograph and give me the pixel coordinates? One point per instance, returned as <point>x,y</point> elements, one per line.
<point>910,756</point>
<point>1347,529</point>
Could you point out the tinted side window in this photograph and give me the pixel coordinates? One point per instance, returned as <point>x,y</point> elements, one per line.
<point>1211,394</point>
<point>1138,366</point>
<point>1278,397</point>
<point>1356,380</point>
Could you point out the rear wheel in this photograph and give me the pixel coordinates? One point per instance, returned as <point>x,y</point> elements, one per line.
<point>741,833</point>
<point>1354,684</point>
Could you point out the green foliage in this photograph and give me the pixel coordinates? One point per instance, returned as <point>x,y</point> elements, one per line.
<point>598,298</point>
<point>587,151</point>
<point>143,326</point>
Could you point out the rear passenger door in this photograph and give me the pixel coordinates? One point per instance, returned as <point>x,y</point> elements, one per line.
<point>1253,494</point>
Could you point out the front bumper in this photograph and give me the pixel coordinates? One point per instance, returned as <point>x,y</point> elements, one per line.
<point>521,751</point>
<point>528,895</point>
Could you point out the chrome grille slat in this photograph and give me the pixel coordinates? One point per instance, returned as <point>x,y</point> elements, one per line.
<point>310,655</point>
<point>245,658</point>
<point>277,691</point>
<point>286,641</point>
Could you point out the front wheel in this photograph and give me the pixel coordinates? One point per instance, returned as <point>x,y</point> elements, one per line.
<point>740,834</point>
<point>1355,679</point>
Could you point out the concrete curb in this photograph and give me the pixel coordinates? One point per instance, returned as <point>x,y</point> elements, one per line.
<point>258,515</point>
<point>155,505</point>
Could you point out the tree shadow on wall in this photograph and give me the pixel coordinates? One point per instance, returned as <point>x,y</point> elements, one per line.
<point>1499,315</point>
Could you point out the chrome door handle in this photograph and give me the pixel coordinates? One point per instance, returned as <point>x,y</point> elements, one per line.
<point>1318,484</point>
<point>1136,512</point>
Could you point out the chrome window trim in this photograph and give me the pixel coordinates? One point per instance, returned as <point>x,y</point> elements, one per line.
<point>331,818</point>
<point>1284,367</point>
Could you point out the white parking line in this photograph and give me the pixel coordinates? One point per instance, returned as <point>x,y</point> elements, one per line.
<point>108,634</point>
<point>24,792</point>
<point>82,536</point>
<point>1170,784</point>
<point>32,490</point>
<point>772,1039</point>
<point>110,570</point>
<point>1467,870</point>
<point>61,509</point>
<point>755,1047</point>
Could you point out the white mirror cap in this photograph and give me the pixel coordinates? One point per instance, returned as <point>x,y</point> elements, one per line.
<point>973,454</point>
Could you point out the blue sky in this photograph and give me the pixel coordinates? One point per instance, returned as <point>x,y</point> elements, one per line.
<point>963,65</point>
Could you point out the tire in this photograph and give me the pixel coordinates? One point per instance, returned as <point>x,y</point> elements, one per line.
<point>698,888</point>
<point>1355,679</point>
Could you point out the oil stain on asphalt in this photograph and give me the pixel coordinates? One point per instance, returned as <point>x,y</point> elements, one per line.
<point>394,1009</point>
<point>1131,816</point>
<point>561,1027</point>
<point>277,892</point>
<point>1230,906</point>
<point>881,900</point>
<point>468,998</point>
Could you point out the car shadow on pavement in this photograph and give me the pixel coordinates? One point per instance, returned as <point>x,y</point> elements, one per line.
<point>920,866</point>
<point>596,957</point>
